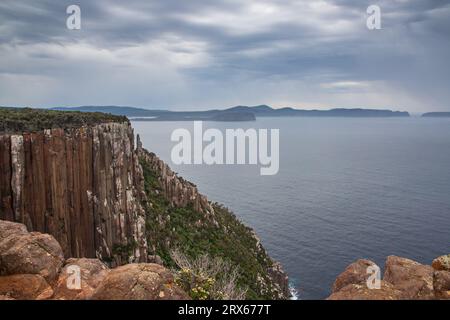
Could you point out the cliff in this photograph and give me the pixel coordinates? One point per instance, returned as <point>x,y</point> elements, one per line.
<point>82,181</point>
<point>82,185</point>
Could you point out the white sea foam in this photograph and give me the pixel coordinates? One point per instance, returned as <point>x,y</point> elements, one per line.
<point>294,292</point>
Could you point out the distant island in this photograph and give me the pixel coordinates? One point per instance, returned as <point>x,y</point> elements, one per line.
<point>238,113</point>
<point>436,115</point>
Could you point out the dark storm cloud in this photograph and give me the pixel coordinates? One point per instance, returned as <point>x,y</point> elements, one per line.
<point>200,53</point>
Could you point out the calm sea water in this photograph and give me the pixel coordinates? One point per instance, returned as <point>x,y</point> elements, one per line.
<point>347,189</point>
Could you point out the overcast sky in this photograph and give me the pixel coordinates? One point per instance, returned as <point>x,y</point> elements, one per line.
<point>198,54</point>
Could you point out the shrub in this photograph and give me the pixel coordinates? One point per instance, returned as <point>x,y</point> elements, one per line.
<point>207,278</point>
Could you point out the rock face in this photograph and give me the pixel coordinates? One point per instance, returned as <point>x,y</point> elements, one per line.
<point>28,253</point>
<point>144,281</point>
<point>83,186</point>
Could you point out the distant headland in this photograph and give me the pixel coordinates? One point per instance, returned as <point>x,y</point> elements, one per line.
<point>238,113</point>
<point>436,115</point>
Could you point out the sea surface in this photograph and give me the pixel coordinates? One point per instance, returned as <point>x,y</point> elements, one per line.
<point>347,188</point>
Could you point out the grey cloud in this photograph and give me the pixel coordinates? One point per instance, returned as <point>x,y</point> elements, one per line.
<point>215,53</point>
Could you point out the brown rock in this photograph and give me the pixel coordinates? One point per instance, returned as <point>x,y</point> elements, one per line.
<point>355,273</point>
<point>441,283</point>
<point>362,292</point>
<point>4,297</point>
<point>25,287</point>
<point>442,263</point>
<point>144,281</point>
<point>92,273</point>
<point>28,253</point>
<point>412,278</point>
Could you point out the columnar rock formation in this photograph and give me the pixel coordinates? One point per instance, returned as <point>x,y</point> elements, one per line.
<point>81,185</point>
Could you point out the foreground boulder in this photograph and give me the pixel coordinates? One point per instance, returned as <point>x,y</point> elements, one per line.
<point>356,273</point>
<point>25,287</point>
<point>361,292</point>
<point>144,281</point>
<point>28,253</point>
<point>92,272</point>
<point>415,280</point>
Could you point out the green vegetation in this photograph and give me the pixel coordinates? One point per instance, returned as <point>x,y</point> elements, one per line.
<point>14,120</point>
<point>195,234</point>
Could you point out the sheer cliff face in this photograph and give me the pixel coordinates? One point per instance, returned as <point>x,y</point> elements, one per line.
<point>84,186</point>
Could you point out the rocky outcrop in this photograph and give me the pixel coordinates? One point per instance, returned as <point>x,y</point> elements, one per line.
<point>403,279</point>
<point>81,185</point>
<point>144,281</point>
<point>80,279</point>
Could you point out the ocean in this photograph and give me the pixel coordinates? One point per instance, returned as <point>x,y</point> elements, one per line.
<point>347,188</point>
